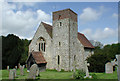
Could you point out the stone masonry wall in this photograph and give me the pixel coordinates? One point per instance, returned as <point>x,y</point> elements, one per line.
<point>61,44</point>
<point>73,43</point>
<point>80,64</point>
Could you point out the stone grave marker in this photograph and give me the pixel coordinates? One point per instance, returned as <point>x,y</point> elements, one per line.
<point>87,71</point>
<point>12,74</point>
<point>19,65</point>
<point>22,70</point>
<point>14,70</point>
<point>8,68</point>
<point>108,67</point>
<point>118,66</point>
<point>33,71</point>
<point>38,72</point>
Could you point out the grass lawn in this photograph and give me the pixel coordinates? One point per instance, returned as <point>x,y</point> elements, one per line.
<point>106,76</point>
<point>56,75</point>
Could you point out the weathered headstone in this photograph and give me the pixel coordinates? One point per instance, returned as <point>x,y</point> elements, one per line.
<point>118,66</point>
<point>14,70</point>
<point>108,67</point>
<point>33,71</point>
<point>12,74</point>
<point>87,71</point>
<point>8,68</point>
<point>21,70</point>
<point>38,72</point>
<point>19,65</point>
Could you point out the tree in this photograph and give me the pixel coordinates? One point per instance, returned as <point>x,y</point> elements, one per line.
<point>24,56</point>
<point>102,56</point>
<point>14,50</point>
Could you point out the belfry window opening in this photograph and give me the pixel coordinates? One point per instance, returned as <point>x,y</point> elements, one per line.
<point>60,23</point>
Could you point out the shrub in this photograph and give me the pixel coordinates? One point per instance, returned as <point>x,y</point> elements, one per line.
<point>94,76</point>
<point>79,74</point>
<point>62,70</point>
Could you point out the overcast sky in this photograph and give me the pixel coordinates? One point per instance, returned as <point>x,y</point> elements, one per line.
<point>97,20</point>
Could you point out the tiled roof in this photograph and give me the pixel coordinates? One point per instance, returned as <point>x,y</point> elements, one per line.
<point>48,28</point>
<point>39,58</point>
<point>85,42</point>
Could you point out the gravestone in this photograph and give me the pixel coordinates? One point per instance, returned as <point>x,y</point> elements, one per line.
<point>14,70</point>
<point>87,71</point>
<point>12,74</point>
<point>118,66</point>
<point>108,67</point>
<point>8,68</point>
<point>33,71</point>
<point>21,70</point>
<point>38,72</point>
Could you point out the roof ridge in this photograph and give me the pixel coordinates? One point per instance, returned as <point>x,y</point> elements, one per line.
<point>48,28</point>
<point>81,33</point>
<point>46,23</point>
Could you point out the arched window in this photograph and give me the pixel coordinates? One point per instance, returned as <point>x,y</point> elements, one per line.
<point>42,44</point>
<point>58,59</point>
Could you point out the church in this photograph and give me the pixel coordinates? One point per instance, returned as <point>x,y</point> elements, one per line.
<point>59,46</point>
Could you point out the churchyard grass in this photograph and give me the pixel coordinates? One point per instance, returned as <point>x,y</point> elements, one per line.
<point>49,74</point>
<point>107,76</point>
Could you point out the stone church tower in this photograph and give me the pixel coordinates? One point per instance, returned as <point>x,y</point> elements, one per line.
<point>64,38</point>
<point>63,47</point>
